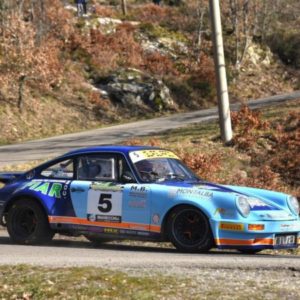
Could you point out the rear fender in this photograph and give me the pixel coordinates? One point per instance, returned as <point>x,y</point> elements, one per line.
<point>13,200</point>
<point>9,176</point>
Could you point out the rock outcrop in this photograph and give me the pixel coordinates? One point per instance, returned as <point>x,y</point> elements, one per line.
<point>133,88</point>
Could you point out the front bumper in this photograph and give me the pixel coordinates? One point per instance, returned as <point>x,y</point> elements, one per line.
<point>263,235</point>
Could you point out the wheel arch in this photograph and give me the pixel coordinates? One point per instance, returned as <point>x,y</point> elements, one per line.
<point>13,200</point>
<point>169,212</point>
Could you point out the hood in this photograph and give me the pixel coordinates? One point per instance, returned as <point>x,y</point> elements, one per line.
<point>203,185</point>
<point>257,202</point>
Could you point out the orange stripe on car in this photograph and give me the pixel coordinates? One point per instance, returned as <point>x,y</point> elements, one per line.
<point>81,221</point>
<point>236,242</point>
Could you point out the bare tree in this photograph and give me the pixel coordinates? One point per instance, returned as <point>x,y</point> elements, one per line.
<point>124,7</point>
<point>201,12</point>
<point>234,10</point>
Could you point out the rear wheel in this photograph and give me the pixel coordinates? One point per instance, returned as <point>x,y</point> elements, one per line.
<point>189,230</point>
<point>27,223</point>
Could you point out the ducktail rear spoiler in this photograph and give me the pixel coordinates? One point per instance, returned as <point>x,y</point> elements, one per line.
<point>9,176</point>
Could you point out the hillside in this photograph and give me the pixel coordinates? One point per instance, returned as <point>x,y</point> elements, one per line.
<point>61,73</point>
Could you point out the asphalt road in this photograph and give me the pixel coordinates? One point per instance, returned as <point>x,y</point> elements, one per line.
<point>51,147</point>
<point>63,253</point>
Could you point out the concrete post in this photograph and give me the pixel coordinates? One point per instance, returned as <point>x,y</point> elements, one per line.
<point>222,89</point>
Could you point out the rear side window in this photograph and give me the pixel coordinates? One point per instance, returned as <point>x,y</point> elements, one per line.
<point>61,170</point>
<point>96,167</point>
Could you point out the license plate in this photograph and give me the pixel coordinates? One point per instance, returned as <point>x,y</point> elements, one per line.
<point>285,240</point>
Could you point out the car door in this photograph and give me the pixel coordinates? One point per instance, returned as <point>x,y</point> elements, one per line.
<point>104,203</point>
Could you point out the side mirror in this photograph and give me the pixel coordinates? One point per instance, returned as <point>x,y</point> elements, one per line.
<point>127,177</point>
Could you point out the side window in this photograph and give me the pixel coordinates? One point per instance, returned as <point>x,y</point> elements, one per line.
<point>96,167</point>
<point>61,170</point>
<point>125,174</point>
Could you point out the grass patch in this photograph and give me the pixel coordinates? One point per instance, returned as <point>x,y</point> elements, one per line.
<point>26,282</point>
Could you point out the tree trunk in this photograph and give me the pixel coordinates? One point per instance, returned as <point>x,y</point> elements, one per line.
<point>201,13</point>
<point>22,79</point>
<point>124,7</point>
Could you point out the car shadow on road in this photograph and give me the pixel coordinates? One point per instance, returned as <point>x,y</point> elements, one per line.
<point>135,246</point>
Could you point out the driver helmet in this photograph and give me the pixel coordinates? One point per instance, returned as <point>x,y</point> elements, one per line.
<point>144,166</point>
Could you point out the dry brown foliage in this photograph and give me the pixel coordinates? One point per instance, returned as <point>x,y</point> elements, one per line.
<point>279,155</point>
<point>31,47</point>
<point>284,157</point>
<point>103,11</point>
<point>159,64</point>
<point>98,102</point>
<point>151,13</point>
<point>138,142</point>
<point>114,50</point>
<point>205,166</point>
<point>247,126</point>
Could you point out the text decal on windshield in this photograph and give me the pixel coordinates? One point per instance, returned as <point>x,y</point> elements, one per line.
<point>149,154</point>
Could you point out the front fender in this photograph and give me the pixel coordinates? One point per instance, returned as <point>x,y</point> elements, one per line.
<point>275,198</point>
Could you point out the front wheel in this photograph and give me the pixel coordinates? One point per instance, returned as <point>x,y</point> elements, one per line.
<point>189,230</point>
<point>27,223</point>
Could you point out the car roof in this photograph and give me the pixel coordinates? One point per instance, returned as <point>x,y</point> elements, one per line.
<point>109,148</point>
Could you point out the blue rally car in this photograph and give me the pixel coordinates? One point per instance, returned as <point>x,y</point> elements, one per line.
<point>142,193</point>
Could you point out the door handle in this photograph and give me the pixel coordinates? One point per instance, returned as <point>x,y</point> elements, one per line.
<point>77,190</point>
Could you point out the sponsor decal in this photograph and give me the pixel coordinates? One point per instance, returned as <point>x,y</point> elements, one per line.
<point>278,215</point>
<point>104,218</point>
<point>224,212</point>
<point>143,233</point>
<point>257,204</point>
<point>112,219</point>
<point>137,227</point>
<point>111,230</point>
<point>134,232</point>
<point>155,218</point>
<point>150,154</point>
<point>91,217</point>
<point>65,189</point>
<point>231,226</point>
<point>293,226</point>
<point>138,191</point>
<point>51,189</point>
<point>126,231</point>
<point>106,186</point>
<point>194,193</point>
<point>220,211</point>
<point>137,203</point>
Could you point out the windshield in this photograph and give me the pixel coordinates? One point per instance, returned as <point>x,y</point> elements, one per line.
<point>159,169</point>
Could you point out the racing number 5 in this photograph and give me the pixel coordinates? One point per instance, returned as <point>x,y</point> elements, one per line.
<point>104,204</point>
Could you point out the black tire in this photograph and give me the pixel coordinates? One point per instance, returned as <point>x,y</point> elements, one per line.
<point>189,230</point>
<point>96,240</point>
<point>27,223</point>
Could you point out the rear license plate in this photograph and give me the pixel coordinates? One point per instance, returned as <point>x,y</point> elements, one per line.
<point>286,240</point>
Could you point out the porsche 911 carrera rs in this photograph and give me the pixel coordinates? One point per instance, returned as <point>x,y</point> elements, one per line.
<point>142,193</point>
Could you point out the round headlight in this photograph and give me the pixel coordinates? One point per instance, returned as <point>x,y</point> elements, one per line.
<point>294,205</point>
<point>243,206</point>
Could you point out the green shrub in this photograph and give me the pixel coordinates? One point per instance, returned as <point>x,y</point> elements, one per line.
<point>287,46</point>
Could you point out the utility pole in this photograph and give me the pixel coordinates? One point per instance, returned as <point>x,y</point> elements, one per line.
<point>222,89</point>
